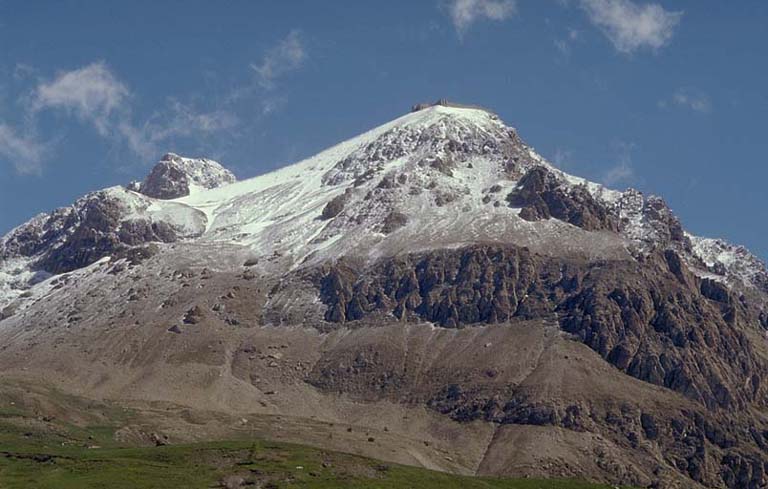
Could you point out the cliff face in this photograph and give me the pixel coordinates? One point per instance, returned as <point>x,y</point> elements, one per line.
<point>652,320</point>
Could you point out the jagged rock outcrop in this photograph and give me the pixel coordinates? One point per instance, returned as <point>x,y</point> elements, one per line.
<point>730,262</point>
<point>660,326</point>
<point>334,207</point>
<point>541,195</point>
<point>649,223</point>
<point>174,176</point>
<point>103,223</point>
<point>655,321</point>
<point>441,145</point>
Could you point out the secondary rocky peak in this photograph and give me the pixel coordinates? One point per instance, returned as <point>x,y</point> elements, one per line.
<point>175,176</point>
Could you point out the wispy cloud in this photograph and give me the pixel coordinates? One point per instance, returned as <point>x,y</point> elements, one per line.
<point>623,171</point>
<point>23,71</point>
<point>95,95</point>
<point>562,158</point>
<point>464,13</point>
<point>689,98</point>
<point>564,44</point>
<point>288,55</point>
<point>23,152</point>
<point>631,26</point>
<point>620,173</point>
<point>184,120</point>
<point>178,120</point>
<point>92,92</point>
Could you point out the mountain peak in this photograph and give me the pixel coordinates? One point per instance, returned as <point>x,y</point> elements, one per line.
<point>446,103</point>
<point>175,176</point>
<point>441,134</point>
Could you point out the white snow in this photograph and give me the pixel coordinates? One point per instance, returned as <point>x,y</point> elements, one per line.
<point>726,261</point>
<point>279,211</point>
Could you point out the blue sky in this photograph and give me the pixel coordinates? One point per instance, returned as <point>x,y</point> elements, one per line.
<point>670,98</point>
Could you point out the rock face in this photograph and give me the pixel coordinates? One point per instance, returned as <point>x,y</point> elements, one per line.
<point>111,223</point>
<point>101,224</point>
<point>174,176</point>
<point>653,321</point>
<point>540,195</point>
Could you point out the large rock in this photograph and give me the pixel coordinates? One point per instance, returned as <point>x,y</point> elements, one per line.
<point>541,194</point>
<point>175,176</point>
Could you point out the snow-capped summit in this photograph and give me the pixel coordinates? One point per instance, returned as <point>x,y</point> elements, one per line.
<point>421,180</point>
<point>176,176</point>
<point>442,176</point>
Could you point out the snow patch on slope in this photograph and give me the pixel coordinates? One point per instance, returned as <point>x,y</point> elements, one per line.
<point>426,165</point>
<point>728,261</point>
<point>121,213</point>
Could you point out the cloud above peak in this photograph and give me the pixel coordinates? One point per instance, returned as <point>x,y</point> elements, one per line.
<point>288,55</point>
<point>92,92</point>
<point>623,172</point>
<point>95,95</point>
<point>631,26</point>
<point>24,152</point>
<point>464,13</point>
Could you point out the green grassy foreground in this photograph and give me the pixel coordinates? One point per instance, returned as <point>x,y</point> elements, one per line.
<point>38,451</point>
<point>257,464</point>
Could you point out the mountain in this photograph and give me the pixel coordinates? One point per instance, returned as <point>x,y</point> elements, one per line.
<point>434,281</point>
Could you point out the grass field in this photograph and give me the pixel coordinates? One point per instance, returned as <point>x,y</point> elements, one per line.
<point>37,451</point>
<point>227,464</point>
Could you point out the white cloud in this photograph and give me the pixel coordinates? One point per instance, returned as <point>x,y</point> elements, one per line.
<point>93,93</point>
<point>464,13</point>
<point>96,95</point>
<point>565,43</point>
<point>692,99</point>
<point>630,26</point>
<point>288,55</point>
<point>25,153</point>
<point>562,158</point>
<point>563,47</point>
<point>23,71</point>
<point>179,120</point>
<point>271,104</point>
<point>184,120</point>
<point>623,172</point>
